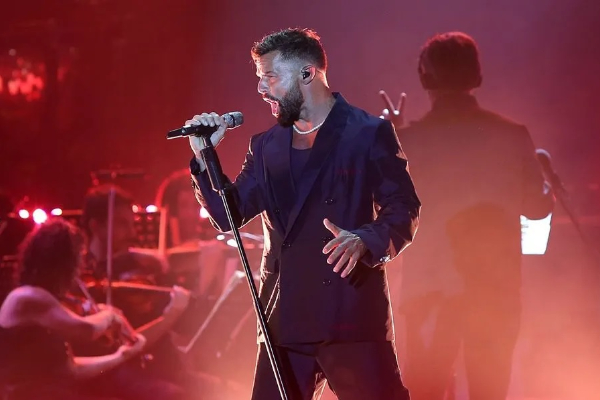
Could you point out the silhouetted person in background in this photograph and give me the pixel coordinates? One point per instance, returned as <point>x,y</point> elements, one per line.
<point>476,173</point>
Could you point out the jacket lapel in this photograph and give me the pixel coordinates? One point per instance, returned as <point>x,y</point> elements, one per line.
<point>326,139</point>
<point>279,177</point>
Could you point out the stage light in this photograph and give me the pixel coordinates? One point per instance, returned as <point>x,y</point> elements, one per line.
<point>135,208</point>
<point>203,213</point>
<point>151,208</point>
<point>232,242</point>
<point>56,212</point>
<point>220,237</point>
<point>39,216</point>
<point>535,235</point>
<point>24,214</point>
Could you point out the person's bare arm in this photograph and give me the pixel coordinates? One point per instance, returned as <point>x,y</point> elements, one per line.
<point>156,328</point>
<point>36,306</point>
<point>90,367</point>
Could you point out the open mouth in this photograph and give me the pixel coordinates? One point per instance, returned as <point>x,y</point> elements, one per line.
<point>274,106</point>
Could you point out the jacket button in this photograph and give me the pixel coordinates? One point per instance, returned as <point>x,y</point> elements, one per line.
<point>276,211</point>
<point>286,245</point>
<point>329,201</point>
<point>326,281</point>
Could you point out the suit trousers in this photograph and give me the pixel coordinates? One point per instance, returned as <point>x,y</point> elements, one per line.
<point>355,370</point>
<point>487,331</point>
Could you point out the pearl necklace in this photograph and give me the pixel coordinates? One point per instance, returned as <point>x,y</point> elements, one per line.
<point>308,131</point>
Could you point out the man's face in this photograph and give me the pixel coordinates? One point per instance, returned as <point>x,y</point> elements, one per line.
<point>280,87</point>
<point>124,234</point>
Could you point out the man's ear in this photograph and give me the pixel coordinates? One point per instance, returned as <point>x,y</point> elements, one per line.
<point>308,74</point>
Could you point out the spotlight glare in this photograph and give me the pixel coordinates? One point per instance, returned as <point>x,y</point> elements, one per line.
<point>24,214</point>
<point>203,213</point>
<point>151,208</point>
<point>39,216</point>
<point>56,212</point>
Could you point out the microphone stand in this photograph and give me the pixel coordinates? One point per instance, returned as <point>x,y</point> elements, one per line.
<point>561,195</point>
<point>109,268</point>
<point>215,174</point>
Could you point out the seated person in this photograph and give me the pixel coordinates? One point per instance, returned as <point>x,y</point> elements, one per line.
<point>153,313</point>
<point>127,265</point>
<point>35,328</point>
<point>194,252</point>
<point>184,223</point>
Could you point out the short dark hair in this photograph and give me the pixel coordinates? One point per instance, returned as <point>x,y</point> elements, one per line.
<point>95,205</point>
<point>454,58</point>
<point>299,43</point>
<point>50,255</point>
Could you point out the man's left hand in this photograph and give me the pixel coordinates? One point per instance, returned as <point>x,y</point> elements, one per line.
<point>346,245</point>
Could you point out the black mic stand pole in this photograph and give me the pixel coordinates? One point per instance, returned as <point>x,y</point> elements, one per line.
<point>215,173</point>
<point>561,195</point>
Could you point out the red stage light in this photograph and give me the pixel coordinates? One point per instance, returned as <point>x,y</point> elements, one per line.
<point>39,216</point>
<point>203,213</point>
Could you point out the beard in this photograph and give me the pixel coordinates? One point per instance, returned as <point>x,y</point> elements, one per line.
<point>290,106</point>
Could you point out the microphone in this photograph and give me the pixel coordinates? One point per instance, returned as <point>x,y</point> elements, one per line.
<point>545,161</point>
<point>232,119</point>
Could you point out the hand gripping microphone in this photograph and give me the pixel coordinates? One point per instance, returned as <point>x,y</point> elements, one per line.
<point>232,119</point>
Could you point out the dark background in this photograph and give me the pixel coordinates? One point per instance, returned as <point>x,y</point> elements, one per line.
<point>119,74</point>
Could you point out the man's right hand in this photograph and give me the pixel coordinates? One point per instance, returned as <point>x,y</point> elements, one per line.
<point>212,119</point>
<point>131,350</point>
<point>114,314</point>
<point>180,298</point>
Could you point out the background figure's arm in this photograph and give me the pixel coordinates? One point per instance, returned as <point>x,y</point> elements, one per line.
<point>538,199</point>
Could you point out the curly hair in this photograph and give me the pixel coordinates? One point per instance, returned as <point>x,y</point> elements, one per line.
<point>293,43</point>
<point>50,256</point>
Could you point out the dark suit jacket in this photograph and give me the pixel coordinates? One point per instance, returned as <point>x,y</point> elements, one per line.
<point>357,177</point>
<point>477,174</point>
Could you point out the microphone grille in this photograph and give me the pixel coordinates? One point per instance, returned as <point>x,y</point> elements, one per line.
<point>234,119</point>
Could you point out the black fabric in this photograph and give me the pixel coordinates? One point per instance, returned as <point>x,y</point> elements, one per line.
<point>34,364</point>
<point>298,159</point>
<point>354,371</point>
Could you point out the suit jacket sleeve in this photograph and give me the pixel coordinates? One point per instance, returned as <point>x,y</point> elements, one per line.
<point>397,206</point>
<point>243,194</point>
<point>538,200</point>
